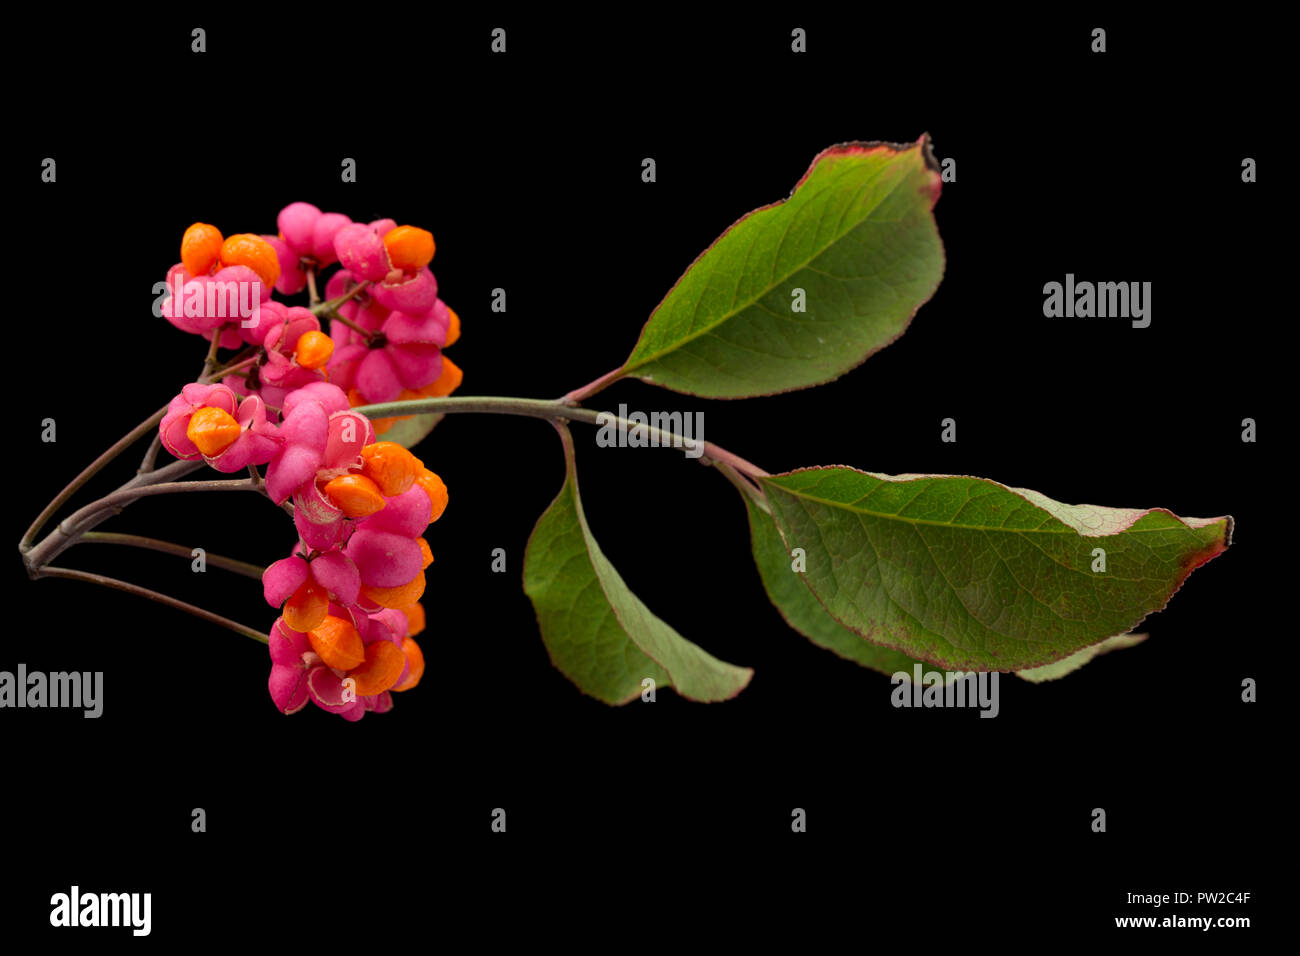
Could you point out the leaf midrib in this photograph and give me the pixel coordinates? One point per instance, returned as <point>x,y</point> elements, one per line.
<point>727,317</point>
<point>1064,529</point>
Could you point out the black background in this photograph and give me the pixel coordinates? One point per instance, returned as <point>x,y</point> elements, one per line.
<point>1120,166</point>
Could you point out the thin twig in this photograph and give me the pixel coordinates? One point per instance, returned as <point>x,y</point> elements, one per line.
<point>89,472</point>
<point>74,575</point>
<point>179,550</point>
<point>210,362</point>
<point>57,540</point>
<point>210,374</point>
<point>126,495</point>
<point>350,324</point>
<point>233,367</point>
<point>332,305</point>
<point>150,456</point>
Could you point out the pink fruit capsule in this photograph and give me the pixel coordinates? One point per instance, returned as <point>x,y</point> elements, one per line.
<point>322,236</point>
<point>361,252</point>
<point>297,224</point>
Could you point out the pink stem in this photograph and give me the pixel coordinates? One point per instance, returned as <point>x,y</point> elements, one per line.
<point>591,388</point>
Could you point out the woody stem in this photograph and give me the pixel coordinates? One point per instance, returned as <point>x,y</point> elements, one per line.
<point>126,495</point>
<point>69,531</point>
<point>552,410</point>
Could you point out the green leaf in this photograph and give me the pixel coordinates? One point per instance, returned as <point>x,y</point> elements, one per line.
<point>857,234</point>
<point>800,607</point>
<point>973,575</point>
<point>598,633</point>
<point>1076,660</point>
<point>409,432</point>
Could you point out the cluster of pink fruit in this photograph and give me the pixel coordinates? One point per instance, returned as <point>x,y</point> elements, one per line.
<point>350,593</point>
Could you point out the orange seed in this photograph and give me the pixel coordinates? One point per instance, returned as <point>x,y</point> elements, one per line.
<point>390,466</point>
<point>213,430</point>
<point>436,490</point>
<point>453,327</point>
<point>384,663</point>
<point>414,658</point>
<point>314,349</point>
<point>415,620</point>
<point>409,247</point>
<point>400,596</point>
<point>337,643</point>
<point>355,495</point>
<point>200,248</point>
<point>308,607</point>
<point>255,252</point>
